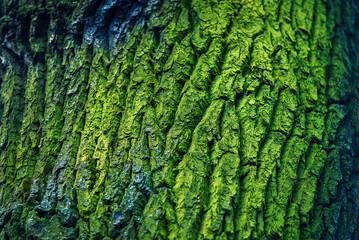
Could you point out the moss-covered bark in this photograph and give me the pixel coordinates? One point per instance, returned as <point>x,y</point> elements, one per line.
<point>179,119</point>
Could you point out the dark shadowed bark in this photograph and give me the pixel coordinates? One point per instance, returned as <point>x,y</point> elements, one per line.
<point>179,119</point>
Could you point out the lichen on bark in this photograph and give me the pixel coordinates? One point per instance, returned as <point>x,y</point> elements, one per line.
<point>179,119</point>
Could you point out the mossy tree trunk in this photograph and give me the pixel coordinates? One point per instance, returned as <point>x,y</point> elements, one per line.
<point>123,119</point>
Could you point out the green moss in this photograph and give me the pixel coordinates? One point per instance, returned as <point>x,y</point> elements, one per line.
<point>207,120</point>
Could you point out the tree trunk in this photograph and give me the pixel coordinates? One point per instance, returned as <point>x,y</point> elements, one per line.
<point>124,119</point>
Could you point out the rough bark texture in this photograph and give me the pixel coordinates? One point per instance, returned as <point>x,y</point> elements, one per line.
<point>172,119</point>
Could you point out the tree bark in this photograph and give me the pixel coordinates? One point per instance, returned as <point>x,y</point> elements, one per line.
<point>179,119</point>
